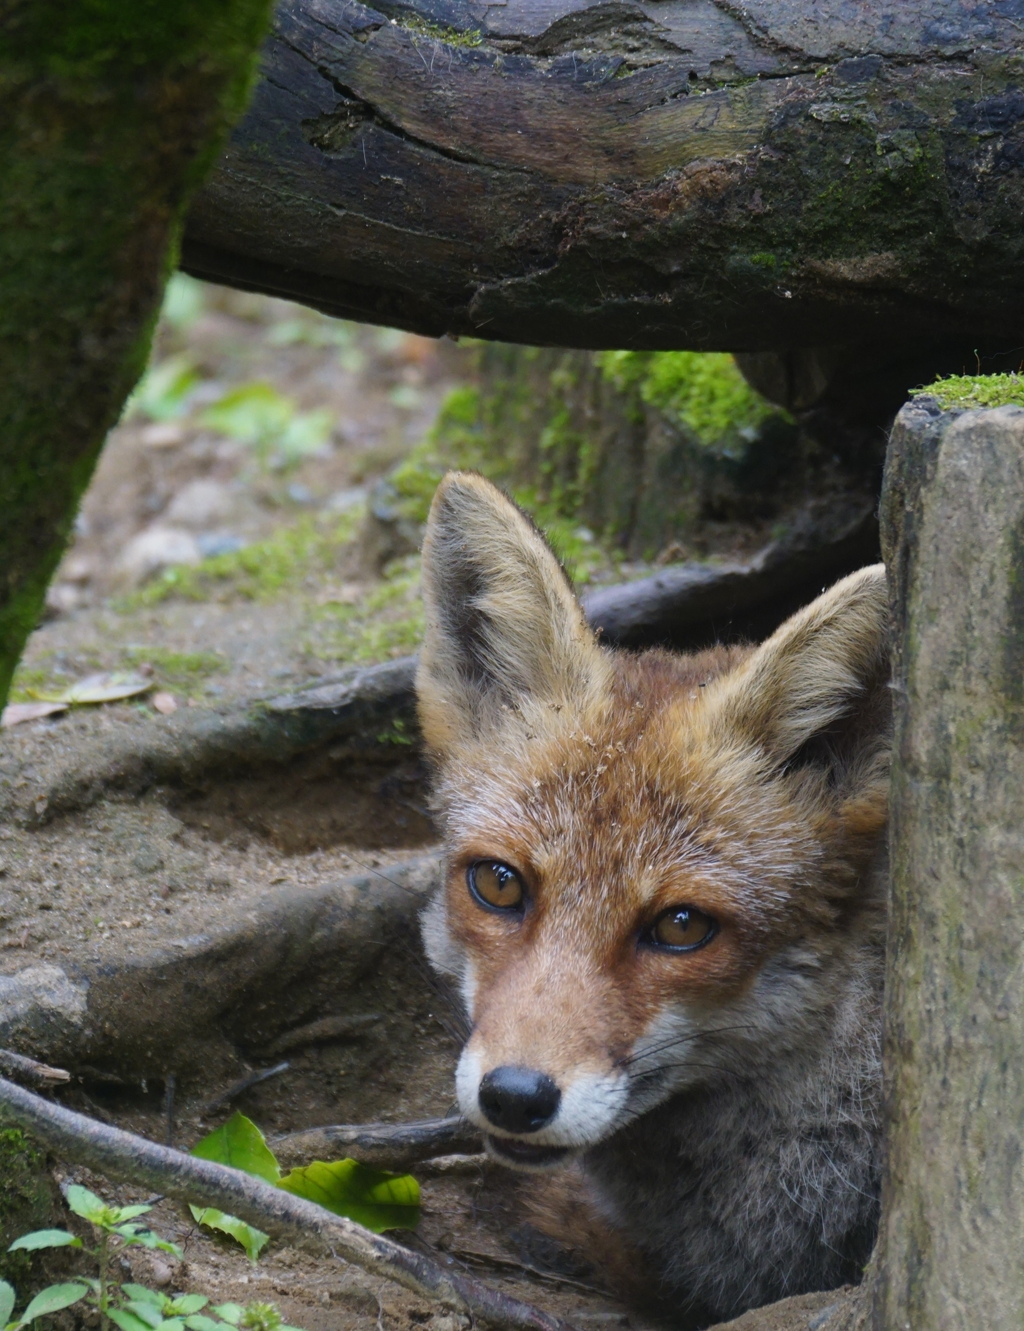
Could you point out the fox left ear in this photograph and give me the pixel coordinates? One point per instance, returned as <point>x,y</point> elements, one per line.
<point>822,670</point>
<point>505,634</point>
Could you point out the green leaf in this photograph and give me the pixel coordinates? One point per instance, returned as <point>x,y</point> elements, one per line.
<point>240,1144</point>
<point>188,1304</point>
<point>253,1240</point>
<point>144,1295</point>
<point>147,1312</point>
<point>369,1196</point>
<point>44,1238</point>
<point>229,1312</point>
<point>129,1321</point>
<point>252,414</point>
<point>89,1206</point>
<point>145,1238</point>
<point>200,1322</point>
<point>52,1299</point>
<point>7,1297</point>
<point>107,686</point>
<point>130,1212</point>
<point>164,389</point>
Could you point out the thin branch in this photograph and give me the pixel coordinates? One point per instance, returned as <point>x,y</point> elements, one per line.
<point>383,1145</point>
<point>27,1070</point>
<point>123,1155</point>
<point>240,1087</point>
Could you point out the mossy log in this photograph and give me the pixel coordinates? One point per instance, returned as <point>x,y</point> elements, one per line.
<point>949,1251</point>
<point>637,173</point>
<point>109,115</point>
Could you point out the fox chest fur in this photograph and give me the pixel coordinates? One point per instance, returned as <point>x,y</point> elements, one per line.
<point>663,910</point>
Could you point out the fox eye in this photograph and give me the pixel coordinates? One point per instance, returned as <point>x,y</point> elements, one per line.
<point>682,929</point>
<point>495,885</point>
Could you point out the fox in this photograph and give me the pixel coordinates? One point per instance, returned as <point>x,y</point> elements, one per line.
<point>663,908</point>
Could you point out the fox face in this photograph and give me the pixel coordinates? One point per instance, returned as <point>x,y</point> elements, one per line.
<point>659,868</point>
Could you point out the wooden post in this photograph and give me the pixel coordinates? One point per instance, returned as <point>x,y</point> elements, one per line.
<point>951,1248</point>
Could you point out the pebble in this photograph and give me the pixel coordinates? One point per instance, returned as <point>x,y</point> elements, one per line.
<point>200,503</point>
<point>218,543</point>
<point>162,434</point>
<point>344,500</point>
<point>155,549</point>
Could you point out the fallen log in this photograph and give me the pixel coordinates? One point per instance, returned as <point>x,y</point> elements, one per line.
<point>642,173</point>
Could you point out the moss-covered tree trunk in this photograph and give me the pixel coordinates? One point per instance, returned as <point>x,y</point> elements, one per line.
<point>950,1255</point>
<point>110,112</point>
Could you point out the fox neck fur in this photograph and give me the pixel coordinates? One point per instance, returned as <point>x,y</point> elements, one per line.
<point>664,909</point>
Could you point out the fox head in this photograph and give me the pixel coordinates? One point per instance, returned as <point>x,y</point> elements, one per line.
<point>655,864</point>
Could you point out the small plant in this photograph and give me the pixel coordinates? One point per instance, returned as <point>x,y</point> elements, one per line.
<point>128,1306</point>
<point>372,1197</point>
<point>269,422</point>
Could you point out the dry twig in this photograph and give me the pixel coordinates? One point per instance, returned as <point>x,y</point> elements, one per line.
<point>383,1145</point>
<point>27,1070</point>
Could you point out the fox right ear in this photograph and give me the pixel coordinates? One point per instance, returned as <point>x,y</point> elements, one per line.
<point>506,638</point>
<point>815,674</point>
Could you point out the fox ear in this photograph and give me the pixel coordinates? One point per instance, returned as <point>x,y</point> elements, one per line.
<point>820,681</point>
<point>505,634</point>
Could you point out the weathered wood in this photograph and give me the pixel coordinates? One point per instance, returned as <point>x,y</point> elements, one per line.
<point>646,173</point>
<point>950,1248</point>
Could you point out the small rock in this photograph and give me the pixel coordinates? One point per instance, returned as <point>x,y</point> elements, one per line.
<point>160,1274</point>
<point>299,494</point>
<point>155,549</point>
<point>162,434</point>
<point>219,543</point>
<point>165,703</point>
<point>344,500</point>
<point>62,598</point>
<point>200,503</point>
<point>77,568</point>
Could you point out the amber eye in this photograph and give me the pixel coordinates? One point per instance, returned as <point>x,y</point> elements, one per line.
<point>682,928</point>
<point>496,885</point>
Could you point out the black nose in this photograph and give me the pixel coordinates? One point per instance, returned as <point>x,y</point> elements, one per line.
<point>519,1099</point>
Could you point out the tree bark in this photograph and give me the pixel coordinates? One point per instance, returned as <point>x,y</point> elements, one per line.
<point>950,1250</point>
<point>109,116</point>
<point>636,173</point>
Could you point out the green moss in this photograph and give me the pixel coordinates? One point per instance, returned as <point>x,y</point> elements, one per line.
<point>304,553</point>
<point>703,391</point>
<point>462,438</point>
<point>976,390</point>
<point>423,27</point>
<point>184,671</point>
<point>386,622</point>
<point>26,1200</point>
